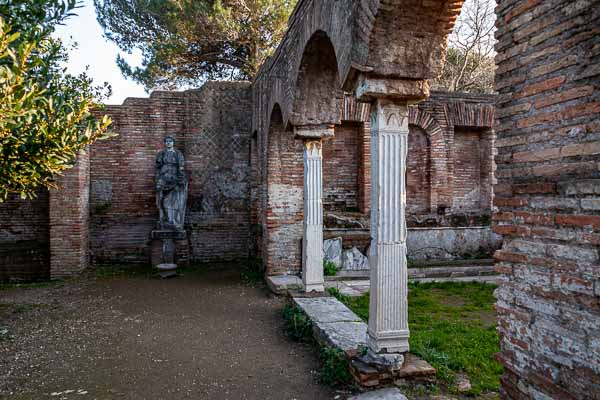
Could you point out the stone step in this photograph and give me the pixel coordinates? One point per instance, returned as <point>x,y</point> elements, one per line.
<point>454,271</point>
<point>356,283</point>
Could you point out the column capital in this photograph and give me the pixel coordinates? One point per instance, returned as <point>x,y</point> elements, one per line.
<point>313,131</point>
<point>313,148</point>
<point>389,116</point>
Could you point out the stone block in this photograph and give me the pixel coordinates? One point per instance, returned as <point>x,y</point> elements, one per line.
<point>354,260</point>
<point>282,283</point>
<point>325,309</point>
<point>332,251</point>
<point>347,336</point>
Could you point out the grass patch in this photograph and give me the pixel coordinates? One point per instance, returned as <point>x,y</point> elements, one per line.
<point>452,326</point>
<point>297,325</point>
<point>31,285</point>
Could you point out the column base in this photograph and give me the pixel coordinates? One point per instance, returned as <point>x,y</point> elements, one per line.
<point>383,361</point>
<point>314,287</point>
<point>388,342</point>
<point>312,259</point>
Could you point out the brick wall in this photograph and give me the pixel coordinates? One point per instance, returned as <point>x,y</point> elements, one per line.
<point>217,151</point>
<point>215,142</point>
<point>418,168</point>
<point>122,200</point>
<point>25,238</point>
<point>69,213</point>
<point>548,140</point>
<point>467,170</point>
<point>341,160</point>
<point>450,163</point>
<point>284,209</point>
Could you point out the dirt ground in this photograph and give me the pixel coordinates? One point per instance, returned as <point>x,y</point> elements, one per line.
<point>205,335</point>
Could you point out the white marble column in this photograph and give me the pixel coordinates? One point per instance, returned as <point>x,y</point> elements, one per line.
<point>388,308</point>
<point>312,240</point>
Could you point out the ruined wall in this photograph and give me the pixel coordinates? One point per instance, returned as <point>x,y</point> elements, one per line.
<point>548,140</point>
<point>387,38</point>
<point>70,220</point>
<point>449,178</point>
<point>122,201</point>
<point>25,238</point>
<point>217,151</point>
<point>211,128</point>
<point>284,212</point>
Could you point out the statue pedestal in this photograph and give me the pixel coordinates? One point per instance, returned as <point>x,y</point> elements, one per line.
<point>163,251</point>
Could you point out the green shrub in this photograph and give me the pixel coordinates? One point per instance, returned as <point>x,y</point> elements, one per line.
<point>254,272</point>
<point>334,370</point>
<point>297,325</point>
<point>329,268</point>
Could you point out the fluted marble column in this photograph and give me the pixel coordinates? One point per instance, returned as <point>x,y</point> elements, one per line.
<point>388,309</point>
<point>312,240</point>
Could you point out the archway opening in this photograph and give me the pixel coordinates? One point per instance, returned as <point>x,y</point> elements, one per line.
<point>318,95</point>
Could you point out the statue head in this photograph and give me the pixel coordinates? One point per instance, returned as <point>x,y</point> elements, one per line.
<point>169,142</point>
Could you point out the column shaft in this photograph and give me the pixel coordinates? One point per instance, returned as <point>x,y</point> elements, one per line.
<point>388,309</point>
<point>312,241</point>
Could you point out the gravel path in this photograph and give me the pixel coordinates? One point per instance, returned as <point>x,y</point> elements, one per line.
<point>205,335</point>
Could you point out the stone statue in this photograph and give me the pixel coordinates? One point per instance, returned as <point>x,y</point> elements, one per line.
<point>171,187</point>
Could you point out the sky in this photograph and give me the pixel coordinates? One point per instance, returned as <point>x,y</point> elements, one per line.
<point>98,53</point>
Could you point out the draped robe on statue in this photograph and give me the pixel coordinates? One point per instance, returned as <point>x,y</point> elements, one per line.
<point>171,189</point>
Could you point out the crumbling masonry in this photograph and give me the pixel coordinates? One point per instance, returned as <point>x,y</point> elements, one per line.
<point>318,145</point>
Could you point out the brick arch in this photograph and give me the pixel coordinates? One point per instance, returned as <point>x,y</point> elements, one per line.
<point>438,156</point>
<point>475,115</point>
<point>375,39</point>
<point>317,95</point>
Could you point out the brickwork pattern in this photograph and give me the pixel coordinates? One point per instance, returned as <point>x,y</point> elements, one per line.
<point>385,37</point>
<point>217,151</point>
<point>69,213</point>
<point>25,238</point>
<point>548,140</point>
<point>122,200</point>
<point>418,169</point>
<point>284,212</point>
<point>341,160</point>
<point>215,143</point>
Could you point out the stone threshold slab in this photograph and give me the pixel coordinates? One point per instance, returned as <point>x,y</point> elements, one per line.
<point>415,273</point>
<point>334,324</point>
<point>281,284</point>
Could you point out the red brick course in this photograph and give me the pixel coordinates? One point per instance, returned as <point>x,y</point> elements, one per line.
<point>547,172</point>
